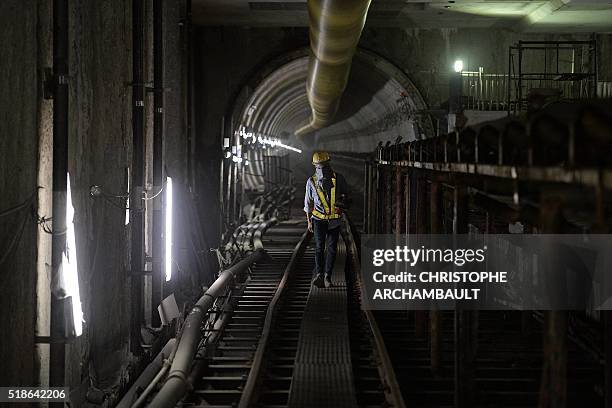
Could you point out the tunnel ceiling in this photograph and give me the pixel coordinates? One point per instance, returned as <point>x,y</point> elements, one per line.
<point>517,15</point>
<point>378,97</point>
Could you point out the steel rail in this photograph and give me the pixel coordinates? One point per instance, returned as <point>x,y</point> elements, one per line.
<point>387,373</point>
<point>177,384</point>
<point>250,387</point>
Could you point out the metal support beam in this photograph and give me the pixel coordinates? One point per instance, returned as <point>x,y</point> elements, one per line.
<point>466,322</point>
<point>435,316</point>
<point>189,84</point>
<point>374,198</point>
<point>60,171</point>
<point>420,316</point>
<point>408,200</point>
<point>421,206</point>
<point>606,315</point>
<point>388,214</point>
<point>367,169</point>
<point>399,209</point>
<point>136,207</point>
<point>607,318</point>
<point>553,388</point>
<point>158,146</point>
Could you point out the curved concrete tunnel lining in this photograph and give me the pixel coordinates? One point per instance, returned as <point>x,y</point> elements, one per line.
<point>293,111</point>
<point>100,362</point>
<point>277,106</point>
<point>375,90</point>
<point>267,88</point>
<point>270,102</point>
<point>275,115</point>
<point>290,118</point>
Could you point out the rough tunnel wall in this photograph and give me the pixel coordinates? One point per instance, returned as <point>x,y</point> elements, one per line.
<point>427,56</point>
<point>99,152</point>
<point>195,265</point>
<point>18,158</point>
<point>225,59</point>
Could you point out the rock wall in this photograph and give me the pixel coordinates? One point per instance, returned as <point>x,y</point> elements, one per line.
<point>19,80</point>
<point>99,154</point>
<point>100,149</point>
<point>427,56</point>
<point>229,56</point>
<point>226,57</point>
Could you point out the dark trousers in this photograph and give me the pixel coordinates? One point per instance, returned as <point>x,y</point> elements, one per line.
<point>323,235</point>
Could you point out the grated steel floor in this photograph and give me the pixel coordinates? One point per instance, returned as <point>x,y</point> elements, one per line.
<point>323,375</point>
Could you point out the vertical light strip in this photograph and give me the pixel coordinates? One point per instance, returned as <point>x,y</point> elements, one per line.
<point>168,237</point>
<point>69,264</point>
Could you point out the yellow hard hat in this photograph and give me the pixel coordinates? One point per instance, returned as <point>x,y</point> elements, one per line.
<point>320,157</point>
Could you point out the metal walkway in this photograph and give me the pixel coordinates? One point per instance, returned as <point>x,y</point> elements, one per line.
<point>323,375</point>
<point>281,342</point>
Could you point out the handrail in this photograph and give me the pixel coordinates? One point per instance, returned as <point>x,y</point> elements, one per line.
<point>248,393</point>
<point>392,388</point>
<point>177,384</point>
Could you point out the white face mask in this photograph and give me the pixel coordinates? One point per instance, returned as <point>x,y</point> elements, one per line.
<point>324,175</point>
<point>323,172</point>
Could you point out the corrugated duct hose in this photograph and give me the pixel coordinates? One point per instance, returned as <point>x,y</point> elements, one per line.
<point>335,28</point>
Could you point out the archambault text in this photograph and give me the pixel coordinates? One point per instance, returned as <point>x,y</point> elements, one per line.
<point>426,294</point>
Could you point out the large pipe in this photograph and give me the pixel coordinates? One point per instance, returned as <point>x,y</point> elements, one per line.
<point>335,28</point>
<point>158,145</point>
<point>177,383</point>
<point>148,375</point>
<point>57,369</point>
<point>137,173</point>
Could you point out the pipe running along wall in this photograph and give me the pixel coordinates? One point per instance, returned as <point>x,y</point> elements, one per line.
<point>335,28</point>
<point>57,370</point>
<point>177,384</point>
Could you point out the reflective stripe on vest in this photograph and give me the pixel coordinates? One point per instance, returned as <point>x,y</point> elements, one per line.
<point>330,209</point>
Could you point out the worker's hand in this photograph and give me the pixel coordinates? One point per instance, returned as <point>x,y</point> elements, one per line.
<point>310,226</point>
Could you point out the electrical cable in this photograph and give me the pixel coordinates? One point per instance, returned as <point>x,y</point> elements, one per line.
<point>13,243</point>
<point>156,194</point>
<point>115,195</point>
<point>20,206</point>
<point>17,237</point>
<point>121,207</point>
<point>43,222</point>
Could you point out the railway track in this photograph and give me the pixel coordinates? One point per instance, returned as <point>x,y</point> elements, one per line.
<point>277,371</point>
<point>255,357</point>
<point>227,365</point>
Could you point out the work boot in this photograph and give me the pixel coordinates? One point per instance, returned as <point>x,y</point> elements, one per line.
<point>319,281</point>
<point>328,282</point>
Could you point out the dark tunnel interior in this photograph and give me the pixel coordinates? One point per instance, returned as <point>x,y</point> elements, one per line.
<point>171,235</point>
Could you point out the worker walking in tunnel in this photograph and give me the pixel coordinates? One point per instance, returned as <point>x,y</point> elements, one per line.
<point>324,202</point>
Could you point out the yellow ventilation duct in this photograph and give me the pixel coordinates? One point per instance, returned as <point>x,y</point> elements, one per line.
<point>335,28</point>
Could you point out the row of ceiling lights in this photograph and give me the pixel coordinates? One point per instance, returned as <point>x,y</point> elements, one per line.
<point>254,140</point>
